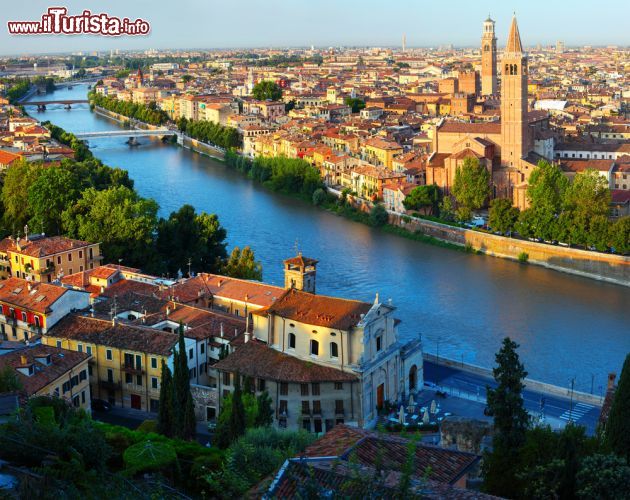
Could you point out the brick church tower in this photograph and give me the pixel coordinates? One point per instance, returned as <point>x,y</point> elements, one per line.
<point>514,137</point>
<point>488,59</point>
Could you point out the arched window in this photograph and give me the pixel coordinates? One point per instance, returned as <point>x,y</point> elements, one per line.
<point>486,48</point>
<point>515,69</point>
<point>314,348</point>
<point>334,350</point>
<point>291,340</point>
<point>507,69</point>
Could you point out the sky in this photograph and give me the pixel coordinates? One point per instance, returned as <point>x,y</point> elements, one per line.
<point>324,23</point>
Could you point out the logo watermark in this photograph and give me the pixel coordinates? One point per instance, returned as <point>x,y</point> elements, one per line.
<point>56,21</point>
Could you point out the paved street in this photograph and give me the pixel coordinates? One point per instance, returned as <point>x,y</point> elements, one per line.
<point>557,410</point>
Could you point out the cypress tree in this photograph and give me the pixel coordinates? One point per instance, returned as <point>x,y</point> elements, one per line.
<point>511,421</point>
<point>184,421</point>
<point>237,417</point>
<point>264,412</point>
<point>617,430</point>
<point>165,411</point>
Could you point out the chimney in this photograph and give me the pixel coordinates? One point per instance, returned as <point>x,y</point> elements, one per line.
<point>29,286</point>
<point>221,330</point>
<point>611,381</point>
<point>23,360</point>
<point>247,336</point>
<point>168,311</point>
<point>114,320</point>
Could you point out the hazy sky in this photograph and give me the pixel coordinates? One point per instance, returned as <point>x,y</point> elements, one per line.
<point>281,23</point>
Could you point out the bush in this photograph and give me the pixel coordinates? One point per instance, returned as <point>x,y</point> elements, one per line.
<point>319,197</point>
<point>148,456</point>
<point>148,426</point>
<point>378,216</point>
<point>523,257</point>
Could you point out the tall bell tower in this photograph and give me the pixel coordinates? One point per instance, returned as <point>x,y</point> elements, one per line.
<point>488,59</point>
<point>514,138</point>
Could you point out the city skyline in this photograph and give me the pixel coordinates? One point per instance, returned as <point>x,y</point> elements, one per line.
<point>283,24</point>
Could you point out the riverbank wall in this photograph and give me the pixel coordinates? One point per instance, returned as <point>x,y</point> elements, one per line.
<point>530,384</point>
<point>595,265</point>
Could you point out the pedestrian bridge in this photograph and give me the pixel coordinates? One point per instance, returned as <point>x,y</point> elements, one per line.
<point>161,132</point>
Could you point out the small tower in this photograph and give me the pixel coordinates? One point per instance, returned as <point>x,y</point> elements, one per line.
<point>488,59</point>
<point>300,273</point>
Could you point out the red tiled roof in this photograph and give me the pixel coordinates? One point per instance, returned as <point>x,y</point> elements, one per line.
<point>256,359</point>
<point>42,247</point>
<point>15,291</point>
<point>61,362</point>
<point>471,128</point>
<point>318,310</point>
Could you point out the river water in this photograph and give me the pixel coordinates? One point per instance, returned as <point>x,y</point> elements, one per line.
<point>462,305</point>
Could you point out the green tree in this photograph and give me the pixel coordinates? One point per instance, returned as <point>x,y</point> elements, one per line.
<point>54,190</point>
<point>425,198</point>
<point>117,217</point>
<point>237,415</point>
<point>620,235</point>
<point>447,212</point>
<point>511,420</point>
<point>378,215</point>
<point>605,477</point>
<point>187,78</point>
<point>502,215</point>
<point>264,414</point>
<point>243,265</point>
<point>267,90</point>
<point>190,237</point>
<point>355,103</point>
<point>319,197</point>
<point>17,182</point>
<point>165,422</point>
<point>617,429</point>
<point>9,381</point>
<point>184,423</point>
<point>471,186</point>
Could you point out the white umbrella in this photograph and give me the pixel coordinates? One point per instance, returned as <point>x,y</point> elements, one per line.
<point>411,402</point>
<point>433,406</point>
<point>425,417</point>
<point>401,415</point>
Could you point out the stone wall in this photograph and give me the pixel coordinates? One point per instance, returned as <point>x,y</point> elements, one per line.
<point>204,396</point>
<point>464,434</point>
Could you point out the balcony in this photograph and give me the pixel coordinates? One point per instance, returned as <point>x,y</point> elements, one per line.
<point>47,270</point>
<point>95,258</point>
<point>130,368</point>
<point>110,384</point>
<point>339,412</point>
<point>283,413</point>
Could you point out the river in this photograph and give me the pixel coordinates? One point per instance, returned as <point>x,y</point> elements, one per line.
<point>462,305</point>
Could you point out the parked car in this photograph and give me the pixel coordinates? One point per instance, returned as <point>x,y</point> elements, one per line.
<point>478,221</point>
<point>101,405</point>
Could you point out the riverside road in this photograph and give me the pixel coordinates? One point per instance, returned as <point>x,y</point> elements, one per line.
<point>556,410</point>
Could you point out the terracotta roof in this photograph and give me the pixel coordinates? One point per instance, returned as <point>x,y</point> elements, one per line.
<point>121,336</point>
<point>39,298</point>
<point>252,292</point>
<point>256,359</point>
<point>446,465</point>
<point>301,261</point>
<point>620,195</point>
<point>470,128</point>
<point>318,310</point>
<point>61,362</point>
<point>43,246</point>
<point>572,165</point>
<point>6,157</point>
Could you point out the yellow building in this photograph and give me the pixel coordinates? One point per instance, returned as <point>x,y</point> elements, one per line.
<point>126,360</point>
<point>47,371</point>
<point>380,152</point>
<point>43,258</point>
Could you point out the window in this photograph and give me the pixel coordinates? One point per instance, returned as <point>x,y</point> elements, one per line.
<point>75,401</point>
<point>284,388</point>
<point>306,424</point>
<point>154,383</point>
<point>138,362</point>
<point>191,353</point>
<point>82,375</point>
<point>317,425</point>
<point>88,350</point>
<point>80,347</point>
<point>291,340</point>
<point>59,259</point>
<point>304,389</point>
<point>83,397</point>
<point>110,375</point>
<point>138,379</point>
<point>314,348</point>
<point>90,370</point>
<point>334,350</point>
<point>128,378</point>
<point>66,387</point>
<point>80,254</point>
<point>261,384</point>
<point>59,344</point>
<point>74,381</point>
<point>153,362</point>
<point>339,406</point>
<point>283,407</point>
<point>338,386</point>
<point>379,343</point>
<point>306,408</point>
<point>317,407</point>
<point>202,349</point>
<point>108,354</point>
<point>315,389</point>
<point>69,257</point>
<point>226,378</point>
